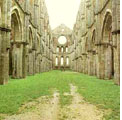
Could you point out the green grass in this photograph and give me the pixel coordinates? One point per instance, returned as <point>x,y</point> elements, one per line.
<point>65,100</point>
<point>103,93</point>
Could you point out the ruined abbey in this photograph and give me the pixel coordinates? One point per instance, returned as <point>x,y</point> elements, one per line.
<point>29,46</point>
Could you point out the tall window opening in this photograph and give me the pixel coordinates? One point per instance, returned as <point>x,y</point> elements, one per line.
<point>56,61</point>
<point>66,49</point>
<point>67,61</point>
<point>62,49</point>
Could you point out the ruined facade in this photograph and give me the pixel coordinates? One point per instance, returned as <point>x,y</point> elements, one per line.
<point>25,39</point>
<point>96,35</point>
<point>29,46</point>
<point>61,53</point>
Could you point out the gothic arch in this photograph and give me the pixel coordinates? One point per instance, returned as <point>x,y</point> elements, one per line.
<point>107,27</point>
<point>107,42</point>
<point>62,61</point>
<point>15,52</point>
<point>16,25</point>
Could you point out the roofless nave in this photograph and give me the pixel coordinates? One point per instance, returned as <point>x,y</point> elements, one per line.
<point>29,46</point>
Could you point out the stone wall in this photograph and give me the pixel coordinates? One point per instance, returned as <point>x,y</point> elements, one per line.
<point>61,52</point>
<point>25,39</point>
<point>96,36</point>
<point>29,46</point>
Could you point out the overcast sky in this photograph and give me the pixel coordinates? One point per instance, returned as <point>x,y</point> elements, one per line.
<point>62,12</point>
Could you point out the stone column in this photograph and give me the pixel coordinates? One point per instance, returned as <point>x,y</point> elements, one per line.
<point>108,63</point>
<point>26,41</point>
<point>116,38</point>
<point>24,62</point>
<point>5,25</point>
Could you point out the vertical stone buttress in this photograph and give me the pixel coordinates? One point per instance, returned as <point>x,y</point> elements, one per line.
<point>5,29</point>
<point>26,40</point>
<point>116,38</point>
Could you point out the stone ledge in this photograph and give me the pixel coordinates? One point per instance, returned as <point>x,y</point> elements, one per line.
<point>19,42</point>
<point>5,29</point>
<point>103,44</point>
<point>116,32</point>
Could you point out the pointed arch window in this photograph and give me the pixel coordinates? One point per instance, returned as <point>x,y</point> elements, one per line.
<point>62,49</point>
<point>67,61</point>
<point>56,61</point>
<point>62,61</point>
<point>66,49</point>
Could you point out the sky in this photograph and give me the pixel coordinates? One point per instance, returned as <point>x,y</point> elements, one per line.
<point>62,12</point>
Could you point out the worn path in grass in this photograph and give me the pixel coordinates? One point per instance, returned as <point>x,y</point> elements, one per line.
<point>37,94</point>
<point>80,109</point>
<point>48,108</point>
<point>44,108</point>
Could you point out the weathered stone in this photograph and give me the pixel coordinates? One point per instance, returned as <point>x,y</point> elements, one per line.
<point>20,52</point>
<point>100,52</point>
<point>29,46</point>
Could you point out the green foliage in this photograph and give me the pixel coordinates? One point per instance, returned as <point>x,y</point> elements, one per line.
<point>103,93</point>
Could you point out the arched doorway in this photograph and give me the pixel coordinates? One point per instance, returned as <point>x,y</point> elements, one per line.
<point>15,53</point>
<point>108,48</point>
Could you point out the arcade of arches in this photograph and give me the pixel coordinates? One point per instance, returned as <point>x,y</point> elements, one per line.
<point>28,45</point>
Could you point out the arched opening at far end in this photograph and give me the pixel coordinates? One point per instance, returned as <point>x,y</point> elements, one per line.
<point>16,36</point>
<point>108,51</point>
<point>66,49</point>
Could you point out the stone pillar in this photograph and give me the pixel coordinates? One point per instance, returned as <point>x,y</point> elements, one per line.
<point>108,62</point>
<point>116,38</point>
<point>5,25</point>
<point>24,63</point>
<point>101,62</point>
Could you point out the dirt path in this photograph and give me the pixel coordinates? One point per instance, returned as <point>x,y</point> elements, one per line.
<point>48,108</point>
<point>80,109</point>
<point>44,108</point>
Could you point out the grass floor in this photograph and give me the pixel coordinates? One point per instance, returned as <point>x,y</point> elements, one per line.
<point>103,93</point>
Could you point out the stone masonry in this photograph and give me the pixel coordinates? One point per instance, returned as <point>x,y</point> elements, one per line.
<point>25,39</point>
<point>96,35</point>
<point>28,45</point>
